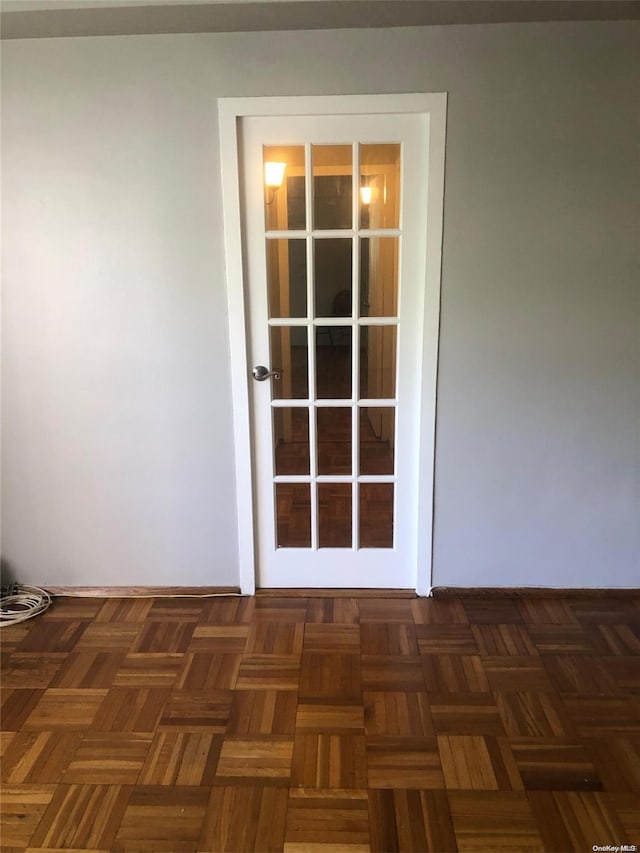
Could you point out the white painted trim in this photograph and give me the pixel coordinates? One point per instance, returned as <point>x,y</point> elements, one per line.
<point>230,110</point>
<point>431,339</point>
<point>228,119</point>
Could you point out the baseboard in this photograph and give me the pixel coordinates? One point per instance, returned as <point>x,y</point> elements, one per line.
<point>143,591</point>
<point>321,592</point>
<point>530,592</point>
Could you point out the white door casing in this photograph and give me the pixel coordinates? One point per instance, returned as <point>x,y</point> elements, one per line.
<point>418,123</point>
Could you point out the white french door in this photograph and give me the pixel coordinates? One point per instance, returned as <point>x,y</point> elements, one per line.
<point>336,237</point>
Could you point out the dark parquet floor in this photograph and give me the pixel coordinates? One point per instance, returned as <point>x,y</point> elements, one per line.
<point>296,724</point>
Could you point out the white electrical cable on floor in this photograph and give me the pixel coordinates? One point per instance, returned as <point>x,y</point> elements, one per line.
<point>23,603</point>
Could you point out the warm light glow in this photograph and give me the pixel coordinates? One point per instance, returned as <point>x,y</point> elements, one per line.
<point>365,194</point>
<point>274,173</point>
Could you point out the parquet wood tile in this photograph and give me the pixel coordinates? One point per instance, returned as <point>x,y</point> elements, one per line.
<point>329,718</point>
<point>65,708</point>
<point>53,635</point>
<point>269,672</point>
<point>446,639</point>
<point>555,764</point>
<point>393,639</point>
<point>272,638</point>
<point>108,758</point>
<point>159,669</point>
<point>401,762</point>
<point>263,712</point>
<point>617,761</point>
<point>88,669</point>
<point>560,639</point>
<point>122,610</point>
<point>410,820</point>
<point>231,639</point>
<point>31,669</point>
<point>385,610</point>
<point>333,611</point>
<point>68,608</point>
<point>438,611</point>
<point>483,611</point>
<point>231,610</point>
<point>126,709</point>
<point>17,705</point>
<point>398,714</point>
<point>161,636</point>
<point>196,710</point>
<point>597,716</point>
<point>108,636</point>
<point>384,672</point>
<point>21,811</point>
<point>475,763</point>
<point>503,640</point>
<point>625,671</point>
<point>533,714</point>
<point>162,818</point>
<point>580,674</point>
<point>82,816</point>
<point>204,671</point>
<point>329,761</point>
<point>328,820</point>
<point>545,611</point>
<point>242,819</point>
<point>571,820</point>
<point>257,760</point>
<point>494,820</point>
<point>466,714</point>
<point>454,674</point>
<point>627,808</point>
<point>306,724</point>
<point>181,758</point>
<point>38,757</point>
<point>328,637</point>
<point>518,674</point>
<point>613,639</point>
<point>326,675</point>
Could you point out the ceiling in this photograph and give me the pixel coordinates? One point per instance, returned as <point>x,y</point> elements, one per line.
<point>54,18</point>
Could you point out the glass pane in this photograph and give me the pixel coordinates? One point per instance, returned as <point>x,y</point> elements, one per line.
<point>287,278</point>
<point>380,186</point>
<point>379,276</point>
<point>289,354</point>
<point>332,186</point>
<point>284,203</point>
<point>334,515</point>
<point>376,515</point>
<point>293,515</point>
<point>378,361</point>
<point>334,440</point>
<point>377,440</point>
<point>332,277</point>
<point>333,362</point>
<point>291,440</point>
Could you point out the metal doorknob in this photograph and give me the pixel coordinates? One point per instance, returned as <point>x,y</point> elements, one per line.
<point>260,373</point>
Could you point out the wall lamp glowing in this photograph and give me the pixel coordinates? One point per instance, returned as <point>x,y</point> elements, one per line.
<point>273,177</point>
<point>365,194</point>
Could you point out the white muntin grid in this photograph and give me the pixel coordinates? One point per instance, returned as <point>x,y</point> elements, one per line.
<point>355,323</point>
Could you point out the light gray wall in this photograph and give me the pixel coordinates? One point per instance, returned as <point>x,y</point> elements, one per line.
<point>118,445</point>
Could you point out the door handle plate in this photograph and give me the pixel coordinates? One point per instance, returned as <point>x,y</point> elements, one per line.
<point>260,373</point>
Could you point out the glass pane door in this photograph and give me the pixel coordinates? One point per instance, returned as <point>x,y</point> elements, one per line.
<point>332,242</point>
<point>334,258</point>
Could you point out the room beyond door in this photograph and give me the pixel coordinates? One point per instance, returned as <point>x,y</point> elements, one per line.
<point>334,225</point>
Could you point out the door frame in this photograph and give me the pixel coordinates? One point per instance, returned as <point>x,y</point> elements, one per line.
<point>433,106</point>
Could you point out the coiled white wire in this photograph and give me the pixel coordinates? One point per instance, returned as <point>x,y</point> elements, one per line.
<point>25,602</point>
